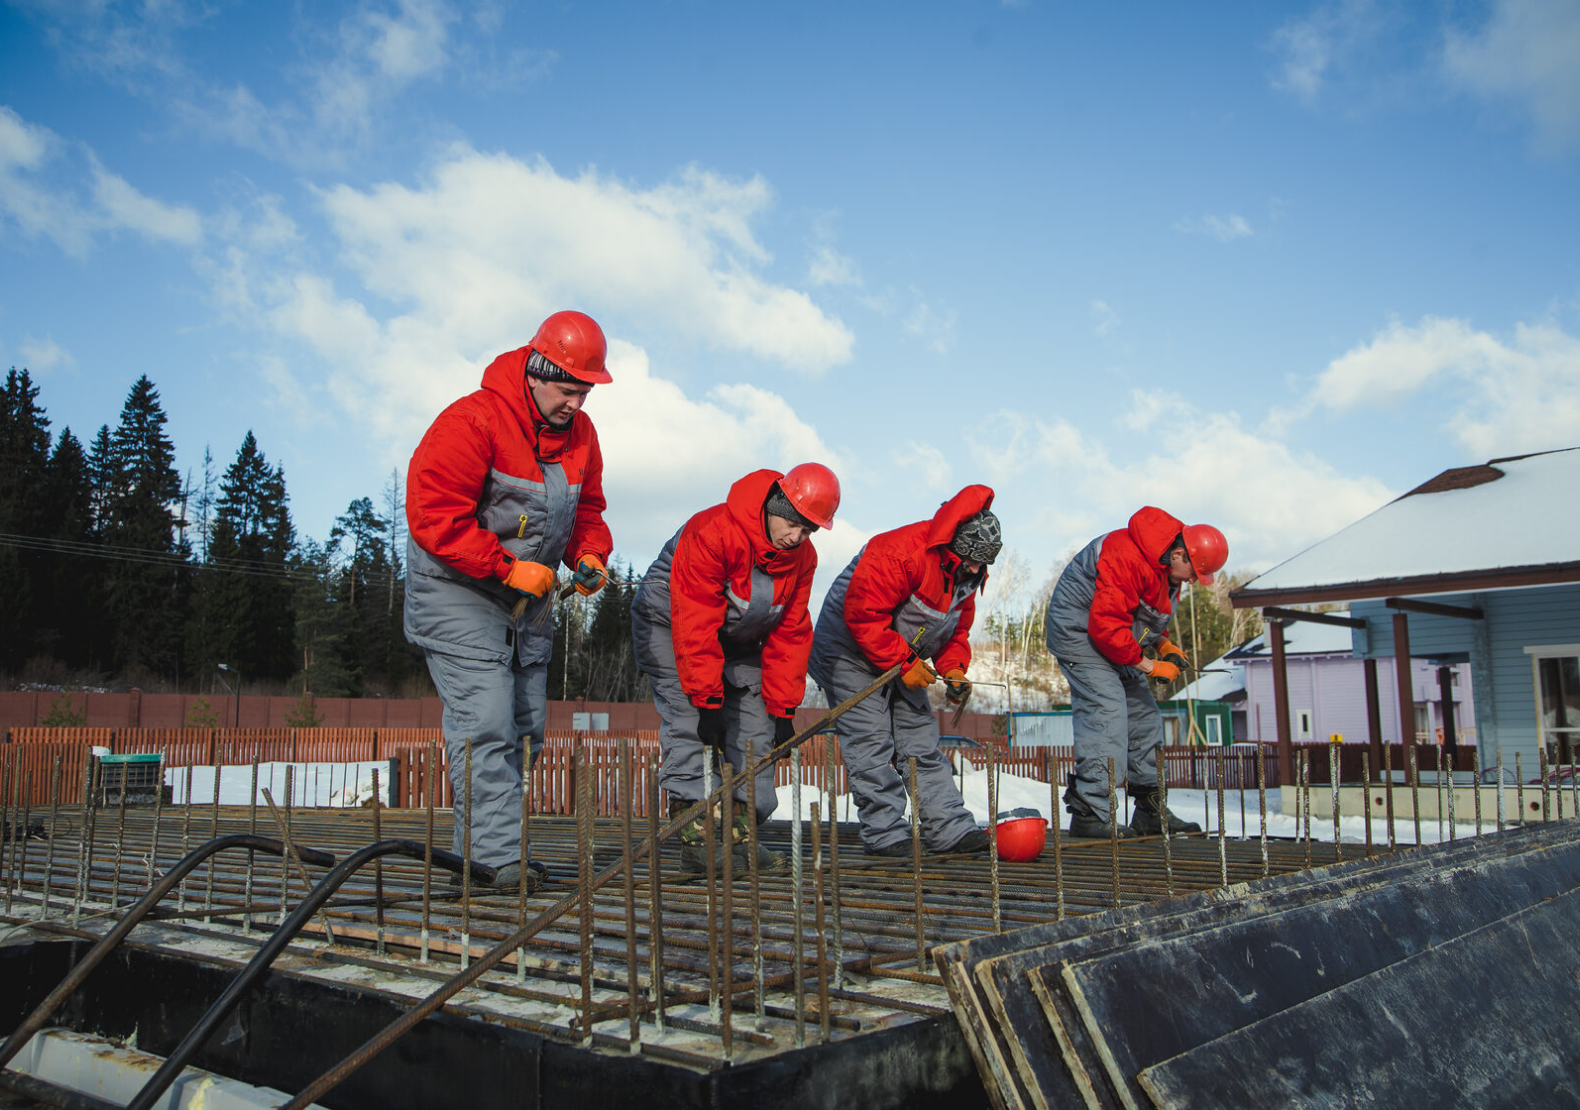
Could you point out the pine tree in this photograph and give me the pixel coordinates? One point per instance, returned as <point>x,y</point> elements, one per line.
<point>146,593</point>
<point>24,513</point>
<point>364,574</point>
<point>73,597</point>
<point>326,631</point>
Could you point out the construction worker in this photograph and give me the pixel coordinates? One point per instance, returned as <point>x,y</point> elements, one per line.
<point>1122,581</point>
<point>507,483</point>
<point>908,596</point>
<point>721,630</point>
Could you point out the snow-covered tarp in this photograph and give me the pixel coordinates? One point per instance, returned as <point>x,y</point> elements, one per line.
<point>312,784</point>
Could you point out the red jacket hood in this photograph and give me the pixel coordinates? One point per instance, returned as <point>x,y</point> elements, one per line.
<point>506,378</point>
<point>1153,530</point>
<point>746,507</point>
<point>967,503</point>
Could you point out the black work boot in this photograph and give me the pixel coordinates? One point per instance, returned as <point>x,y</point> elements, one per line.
<point>974,841</point>
<point>1085,822</point>
<point>1146,820</point>
<point>693,839</point>
<point>741,850</point>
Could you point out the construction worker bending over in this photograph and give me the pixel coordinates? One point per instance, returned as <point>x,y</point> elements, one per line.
<point>507,482</point>
<point>1122,581</point>
<point>922,578</point>
<point>721,630</point>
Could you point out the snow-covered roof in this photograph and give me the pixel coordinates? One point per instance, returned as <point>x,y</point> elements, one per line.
<point>1216,686</point>
<point>1301,638</point>
<point>1491,526</point>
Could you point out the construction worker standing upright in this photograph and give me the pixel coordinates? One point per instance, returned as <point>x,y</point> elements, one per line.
<point>1121,580</point>
<point>908,596</point>
<point>721,630</point>
<point>507,483</point>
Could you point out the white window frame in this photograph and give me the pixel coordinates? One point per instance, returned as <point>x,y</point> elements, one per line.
<point>1538,652</point>
<point>1214,731</point>
<point>1305,724</point>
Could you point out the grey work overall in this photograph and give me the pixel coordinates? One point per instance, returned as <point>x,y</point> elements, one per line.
<point>880,736</point>
<point>748,729</point>
<point>1113,711</point>
<point>491,670</point>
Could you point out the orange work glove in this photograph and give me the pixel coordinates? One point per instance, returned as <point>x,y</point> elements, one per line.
<point>919,675</point>
<point>1163,672</point>
<point>589,574</point>
<point>957,686</point>
<point>532,579</point>
<point>1167,647</point>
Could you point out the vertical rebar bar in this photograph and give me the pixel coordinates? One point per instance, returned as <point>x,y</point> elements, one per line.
<point>1475,777</point>
<point>632,979</point>
<point>727,909</point>
<point>710,865</point>
<point>186,835</point>
<point>1519,785</point>
<point>49,849</point>
<point>213,832</point>
<point>20,833</point>
<point>1437,784</point>
<point>1502,808</point>
<point>120,841</point>
<point>252,857</point>
<point>378,868</point>
<point>1054,821</point>
<point>284,826</point>
<point>1168,837</point>
<point>584,874</point>
<point>1261,800</point>
<point>822,949</point>
<point>1334,764</point>
<point>8,793</point>
<point>655,896</point>
<point>1415,791</point>
<point>993,887</point>
<point>1305,799</point>
<point>1452,835</point>
<point>159,809</point>
<point>466,856</point>
<point>427,852</point>
<point>797,899</point>
<point>833,865</point>
<point>285,874</point>
<point>526,852</point>
<point>916,865</point>
<point>1113,831</point>
<point>85,844</point>
<point>1366,796</point>
<point>1223,844</point>
<point>1541,770</point>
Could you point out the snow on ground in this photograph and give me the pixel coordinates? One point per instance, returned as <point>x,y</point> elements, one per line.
<point>1200,806</point>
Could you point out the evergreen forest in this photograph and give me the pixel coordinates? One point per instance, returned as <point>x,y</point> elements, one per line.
<point>118,571</point>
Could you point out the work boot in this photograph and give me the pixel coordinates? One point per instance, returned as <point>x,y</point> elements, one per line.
<point>693,839</point>
<point>1086,825</point>
<point>900,849</point>
<point>1145,820</point>
<point>974,841</point>
<point>507,879</point>
<point>741,850</point>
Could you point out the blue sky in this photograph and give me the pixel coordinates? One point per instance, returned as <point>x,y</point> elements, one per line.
<point>1262,265</point>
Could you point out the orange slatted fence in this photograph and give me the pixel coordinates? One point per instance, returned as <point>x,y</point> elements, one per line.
<point>390,741</point>
<point>99,737</point>
<point>238,746</point>
<point>31,767</point>
<point>180,746</point>
<point>334,745</point>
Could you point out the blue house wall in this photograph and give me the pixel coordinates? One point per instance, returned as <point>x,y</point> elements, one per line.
<point>1501,674</point>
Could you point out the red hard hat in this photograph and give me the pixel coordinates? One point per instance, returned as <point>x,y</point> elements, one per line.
<point>814,491</point>
<point>574,342</point>
<point>1208,550</point>
<point>1020,839</point>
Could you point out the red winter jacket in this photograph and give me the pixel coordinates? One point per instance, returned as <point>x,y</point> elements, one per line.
<point>913,562</point>
<point>496,433</point>
<point>1129,576</point>
<point>716,552</point>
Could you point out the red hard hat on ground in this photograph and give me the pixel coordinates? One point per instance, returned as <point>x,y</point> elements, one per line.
<point>814,491</point>
<point>1208,550</point>
<point>574,342</point>
<point>1021,836</point>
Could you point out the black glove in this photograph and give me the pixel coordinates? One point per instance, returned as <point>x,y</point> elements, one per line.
<point>710,727</point>
<point>784,729</point>
<point>1177,659</point>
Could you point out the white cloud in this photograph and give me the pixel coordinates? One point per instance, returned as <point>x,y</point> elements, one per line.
<point>1104,318</point>
<point>1310,48</point>
<point>926,462</point>
<point>933,326</point>
<point>44,355</point>
<point>1524,392</point>
<point>829,267</point>
<point>1528,52</point>
<point>39,192</point>
<point>1269,499</point>
<point>1225,229</point>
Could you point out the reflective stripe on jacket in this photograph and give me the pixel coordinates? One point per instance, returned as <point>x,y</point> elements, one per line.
<point>733,602</point>
<point>491,479</point>
<point>1115,582</point>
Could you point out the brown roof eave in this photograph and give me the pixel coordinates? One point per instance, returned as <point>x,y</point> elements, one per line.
<point>1505,578</point>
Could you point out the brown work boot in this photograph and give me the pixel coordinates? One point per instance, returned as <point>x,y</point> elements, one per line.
<point>741,850</point>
